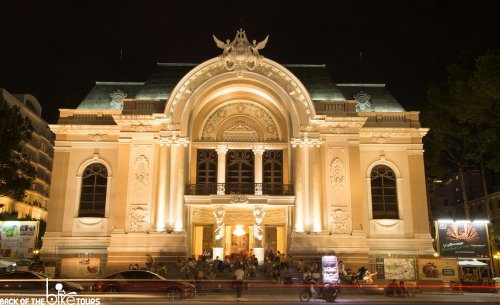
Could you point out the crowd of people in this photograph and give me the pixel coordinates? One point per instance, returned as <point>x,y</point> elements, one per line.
<point>278,265</point>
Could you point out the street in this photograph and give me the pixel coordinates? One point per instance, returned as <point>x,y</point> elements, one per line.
<point>466,298</point>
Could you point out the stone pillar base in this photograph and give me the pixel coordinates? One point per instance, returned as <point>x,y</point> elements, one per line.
<point>259,254</point>
<point>218,252</point>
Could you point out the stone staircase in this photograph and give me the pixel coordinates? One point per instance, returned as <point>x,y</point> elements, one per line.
<point>261,283</point>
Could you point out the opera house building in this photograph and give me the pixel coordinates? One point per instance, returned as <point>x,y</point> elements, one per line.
<point>239,153</point>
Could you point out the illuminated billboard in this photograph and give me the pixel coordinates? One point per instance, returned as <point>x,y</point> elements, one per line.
<point>462,239</point>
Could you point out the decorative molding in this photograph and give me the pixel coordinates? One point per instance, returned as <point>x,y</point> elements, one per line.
<point>171,127</point>
<point>240,199</point>
<point>306,141</point>
<point>338,129</point>
<point>85,129</point>
<point>142,126</point>
<point>381,139</point>
<point>138,220</point>
<point>173,139</point>
<point>97,137</point>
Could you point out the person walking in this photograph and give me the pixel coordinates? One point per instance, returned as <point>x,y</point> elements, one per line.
<point>239,277</point>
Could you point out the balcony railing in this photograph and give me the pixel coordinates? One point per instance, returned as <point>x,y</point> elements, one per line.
<point>273,189</point>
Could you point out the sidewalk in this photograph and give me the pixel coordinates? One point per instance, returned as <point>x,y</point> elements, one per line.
<point>349,298</point>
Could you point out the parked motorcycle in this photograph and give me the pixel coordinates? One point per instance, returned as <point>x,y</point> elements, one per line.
<point>319,291</point>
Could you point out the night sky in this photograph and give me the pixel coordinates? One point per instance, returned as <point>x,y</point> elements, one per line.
<point>57,50</point>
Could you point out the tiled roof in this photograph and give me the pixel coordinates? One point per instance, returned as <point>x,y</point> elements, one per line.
<point>315,78</point>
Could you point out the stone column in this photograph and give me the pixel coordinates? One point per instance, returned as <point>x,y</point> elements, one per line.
<point>299,183</point>
<point>258,233</point>
<point>316,194</point>
<point>219,233</point>
<point>302,180</point>
<point>177,183</point>
<point>163,187</point>
<point>258,150</point>
<point>221,168</point>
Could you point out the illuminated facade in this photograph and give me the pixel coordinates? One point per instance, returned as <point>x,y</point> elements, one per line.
<point>236,154</point>
<point>40,152</point>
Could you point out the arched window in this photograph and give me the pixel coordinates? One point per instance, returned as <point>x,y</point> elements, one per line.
<point>384,194</point>
<point>93,194</point>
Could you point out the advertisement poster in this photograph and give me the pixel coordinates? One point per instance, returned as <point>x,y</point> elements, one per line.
<point>330,269</point>
<point>397,268</point>
<point>438,269</point>
<point>463,239</point>
<point>80,267</point>
<point>18,238</point>
<point>380,268</point>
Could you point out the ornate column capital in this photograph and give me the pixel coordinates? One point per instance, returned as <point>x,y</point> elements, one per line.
<point>306,141</point>
<point>258,149</point>
<point>221,149</point>
<point>173,139</point>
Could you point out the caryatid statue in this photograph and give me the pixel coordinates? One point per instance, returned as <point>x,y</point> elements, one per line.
<point>258,231</point>
<point>219,225</point>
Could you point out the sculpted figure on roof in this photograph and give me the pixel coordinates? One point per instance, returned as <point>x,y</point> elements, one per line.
<point>240,54</point>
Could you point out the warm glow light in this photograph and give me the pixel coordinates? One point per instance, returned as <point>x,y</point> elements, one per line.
<point>436,254</point>
<point>239,231</point>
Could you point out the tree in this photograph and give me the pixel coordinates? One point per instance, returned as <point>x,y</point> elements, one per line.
<point>463,114</point>
<point>16,171</point>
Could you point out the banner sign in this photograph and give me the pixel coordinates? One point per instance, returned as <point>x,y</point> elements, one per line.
<point>80,267</point>
<point>18,238</point>
<point>463,239</point>
<point>396,268</point>
<point>438,269</point>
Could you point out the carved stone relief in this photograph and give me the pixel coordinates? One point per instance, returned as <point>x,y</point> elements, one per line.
<point>339,220</point>
<point>253,123</point>
<point>232,216</point>
<point>337,174</point>
<point>138,220</point>
<point>141,175</point>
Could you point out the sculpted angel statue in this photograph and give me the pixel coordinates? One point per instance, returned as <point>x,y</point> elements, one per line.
<point>227,46</point>
<point>255,47</point>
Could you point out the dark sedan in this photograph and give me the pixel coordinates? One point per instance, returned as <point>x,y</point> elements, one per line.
<point>144,281</point>
<point>28,281</point>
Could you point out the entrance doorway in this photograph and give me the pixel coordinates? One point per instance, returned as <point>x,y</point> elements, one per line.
<point>202,239</point>
<point>240,244</point>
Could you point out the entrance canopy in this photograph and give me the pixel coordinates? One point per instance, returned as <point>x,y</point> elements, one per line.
<point>472,264</point>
